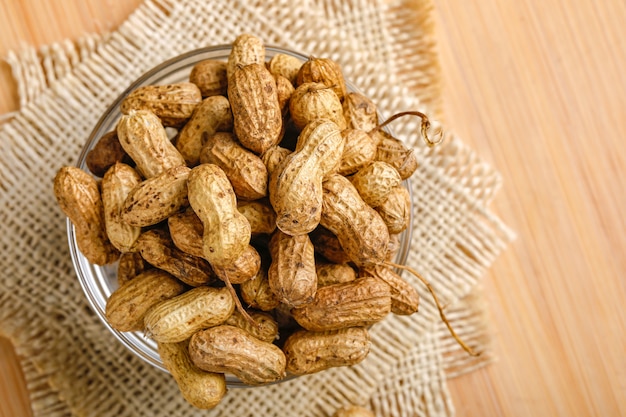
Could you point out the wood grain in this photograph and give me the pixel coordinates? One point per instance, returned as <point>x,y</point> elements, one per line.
<point>538,89</point>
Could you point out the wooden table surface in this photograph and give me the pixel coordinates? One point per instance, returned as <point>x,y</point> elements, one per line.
<point>538,88</point>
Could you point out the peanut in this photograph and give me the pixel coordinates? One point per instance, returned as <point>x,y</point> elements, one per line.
<point>331,273</point>
<point>284,91</point>
<point>226,231</point>
<point>106,152</point>
<point>396,210</point>
<point>325,71</point>
<point>186,232</point>
<point>129,266</point>
<point>292,275</point>
<point>375,181</point>
<point>210,77</point>
<point>393,151</point>
<point>360,229</point>
<point>172,103</point>
<point>242,268</point>
<point>273,157</point>
<point>360,112</point>
<point>245,170</point>
<point>404,298</point>
<point>157,248</point>
<point>246,49</point>
<point>211,116</point>
<point>230,349</point>
<point>117,183</point>
<point>178,318</point>
<point>201,389</point>
<point>143,137</point>
<point>256,110</point>
<point>79,198</point>
<point>327,245</point>
<point>309,352</point>
<point>256,292</point>
<point>266,328</point>
<point>127,306</point>
<point>359,151</point>
<point>286,66</point>
<point>157,198</point>
<point>362,302</point>
<point>260,215</point>
<point>311,101</point>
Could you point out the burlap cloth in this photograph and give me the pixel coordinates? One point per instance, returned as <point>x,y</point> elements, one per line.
<point>73,366</point>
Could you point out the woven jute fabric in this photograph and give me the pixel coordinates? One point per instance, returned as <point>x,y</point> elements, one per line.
<point>74,366</point>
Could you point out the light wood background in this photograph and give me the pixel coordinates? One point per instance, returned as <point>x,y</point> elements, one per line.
<point>538,88</point>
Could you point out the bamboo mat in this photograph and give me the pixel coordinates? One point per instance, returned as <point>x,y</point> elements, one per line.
<point>538,90</point>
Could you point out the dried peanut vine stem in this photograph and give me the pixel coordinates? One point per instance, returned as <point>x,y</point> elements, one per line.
<point>424,128</point>
<point>439,307</point>
<point>238,304</point>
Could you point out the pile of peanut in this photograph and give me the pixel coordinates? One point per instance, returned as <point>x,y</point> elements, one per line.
<point>254,241</point>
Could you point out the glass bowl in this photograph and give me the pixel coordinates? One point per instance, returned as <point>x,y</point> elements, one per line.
<point>98,282</point>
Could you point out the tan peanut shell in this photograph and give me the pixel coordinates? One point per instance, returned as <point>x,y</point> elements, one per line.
<point>362,302</point>
<point>286,66</point>
<point>203,390</point>
<point>186,231</point>
<point>212,115</point>
<point>325,71</point>
<point>274,156</point>
<point>358,152</point>
<point>327,244</point>
<point>172,103</point>
<point>284,91</point>
<point>292,276</point>
<point>246,49</point>
<point>353,411</point>
<point>256,111</point>
<point>360,112</point>
<point>260,215</point>
<point>375,181</point>
<point>404,298</point>
<point>309,352</point>
<point>127,305</point>
<point>105,153</point>
<point>396,210</point>
<point>157,248</point>
<point>226,231</point>
<point>266,328</point>
<point>129,266</point>
<point>157,198</point>
<point>230,349</point>
<point>79,198</point>
<point>395,153</point>
<point>256,292</point>
<point>245,170</point>
<point>117,183</point>
<point>242,268</point>
<point>144,139</point>
<point>178,318</point>
<point>332,273</point>
<point>360,229</point>
<point>210,77</point>
<point>295,186</point>
<point>312,101</point>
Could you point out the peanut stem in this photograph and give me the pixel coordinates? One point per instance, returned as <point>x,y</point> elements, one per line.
<point>439,307</point>
<point>238,304</point>
<point>425,126</point>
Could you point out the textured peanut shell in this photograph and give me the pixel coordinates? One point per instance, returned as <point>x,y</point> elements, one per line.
<point>362,302</point>
<point>212,115</point>
<point>309,352</point>
<point>395,153</point>
<point>129,266</point>
<point>230,349</point>
<point>203,390</point>
<point>327,244</point>
<point>117,183</point>
<point>266,328</point>
<point>284,91</point>
<point>311,101</point>
<point>246,49</point>
<point>226,231</point>
<point>361,231</point>
<point>292,276</point>
<point>186,231</point>
<point>260,215</point>
<point>325,71</point>
<point>127,305</point>
<point>360,112</point>
<point>295,186</point>
<point>106,152</point>
<point>331,273</point>
<point>396,210</point>
<point>353,411</point>
<point>242,268</point>
<point>144,139</point>
<point>172,103</point>
<point>358,152</point>
<point>404,298</point>
<point>156,248</point>
<point>274,156</point>
<point>79,198</point>
<point>256,292</point>
<point>375,181</point>
<point>210,77</point>
<point>157,198</point>
<point>256,110</point>
<point>286,66</point>
<point>178,318</point>
<point>245,170</point>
